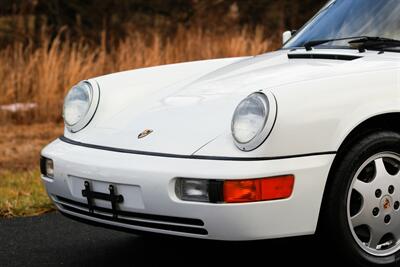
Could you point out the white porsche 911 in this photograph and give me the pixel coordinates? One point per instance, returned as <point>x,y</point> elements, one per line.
<point>275,145</point>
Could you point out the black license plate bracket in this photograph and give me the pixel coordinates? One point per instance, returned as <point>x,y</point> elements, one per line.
<point>111,197</point>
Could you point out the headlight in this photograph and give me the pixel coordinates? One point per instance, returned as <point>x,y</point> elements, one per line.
<point>80,105</point>
<point>253,120</point>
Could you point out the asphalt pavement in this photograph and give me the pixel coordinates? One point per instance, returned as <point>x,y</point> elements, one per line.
<point>53,240</point>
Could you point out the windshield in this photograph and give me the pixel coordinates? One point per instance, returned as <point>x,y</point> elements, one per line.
<point>348,18</point>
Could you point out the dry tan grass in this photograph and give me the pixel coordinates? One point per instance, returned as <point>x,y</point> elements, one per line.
<point>44,75</point>
<point>21,190</point>
<point>22,194</point>
<point>20,145</point>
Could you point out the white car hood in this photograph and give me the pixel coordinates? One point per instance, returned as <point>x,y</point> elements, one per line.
<point>188,105</point>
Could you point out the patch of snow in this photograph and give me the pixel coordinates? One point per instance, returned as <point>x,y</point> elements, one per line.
<point>16,107</point>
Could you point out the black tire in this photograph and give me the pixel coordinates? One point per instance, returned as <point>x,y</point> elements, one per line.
<point>334,222</point>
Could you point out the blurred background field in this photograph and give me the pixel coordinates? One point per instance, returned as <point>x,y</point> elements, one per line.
<point>46,46</point>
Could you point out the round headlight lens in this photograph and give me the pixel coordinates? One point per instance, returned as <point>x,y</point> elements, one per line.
<point>249,118</point>
<point>253,120</point>
<point>77,103</point>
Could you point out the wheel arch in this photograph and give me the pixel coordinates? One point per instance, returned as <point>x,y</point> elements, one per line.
<point>382,122</point>
<point>386,121</point>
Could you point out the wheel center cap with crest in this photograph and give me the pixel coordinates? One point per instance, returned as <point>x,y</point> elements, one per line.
<point>386,203</point>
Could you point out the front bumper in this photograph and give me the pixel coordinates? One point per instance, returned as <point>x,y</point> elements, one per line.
<point>150,203</point>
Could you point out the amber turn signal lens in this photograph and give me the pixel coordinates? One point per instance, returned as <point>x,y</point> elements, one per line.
<point>273,188</point>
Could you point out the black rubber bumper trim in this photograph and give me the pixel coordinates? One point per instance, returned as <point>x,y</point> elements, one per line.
<point>166,155</point>
<point>114,227</point>
<point>150,225</point>
<point>133,215</point>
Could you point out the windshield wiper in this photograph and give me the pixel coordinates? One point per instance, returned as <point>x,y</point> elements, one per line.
<point>310,44</point>
<point>379,43</point>
<point>361,42</point>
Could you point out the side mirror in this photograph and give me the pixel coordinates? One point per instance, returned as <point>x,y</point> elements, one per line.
<point>286,36</point>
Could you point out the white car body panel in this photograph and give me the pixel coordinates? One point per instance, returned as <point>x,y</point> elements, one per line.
<point>188,113</point>
<point>189,106</point>
<point>342,98</point>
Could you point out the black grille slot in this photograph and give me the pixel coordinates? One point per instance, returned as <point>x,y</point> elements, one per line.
<point>157,221</point>
<point>323,56</point>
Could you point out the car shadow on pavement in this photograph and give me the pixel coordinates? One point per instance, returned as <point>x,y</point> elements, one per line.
<point>53,240</point>
<point>153,250</point>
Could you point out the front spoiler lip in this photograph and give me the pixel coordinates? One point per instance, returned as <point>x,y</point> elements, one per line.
<point>168,155</point>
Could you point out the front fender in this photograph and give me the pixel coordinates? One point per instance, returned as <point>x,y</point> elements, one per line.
<point>316,116</point>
